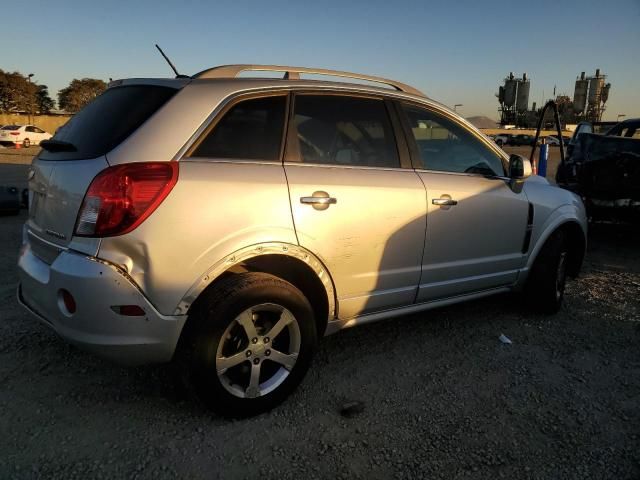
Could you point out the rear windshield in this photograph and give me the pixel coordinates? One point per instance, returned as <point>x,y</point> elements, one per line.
<point>108,120</point>
<point>10,127</point>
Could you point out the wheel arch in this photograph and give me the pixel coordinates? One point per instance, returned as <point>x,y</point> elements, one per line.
<point>291,263</point>
<point>576,239</point>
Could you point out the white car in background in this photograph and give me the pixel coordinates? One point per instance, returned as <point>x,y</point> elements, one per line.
<point>502,139</point>
<point>25,135</point>
<point>553,140</point>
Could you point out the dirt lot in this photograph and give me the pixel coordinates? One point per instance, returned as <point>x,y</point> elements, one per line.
<point>443,398</point>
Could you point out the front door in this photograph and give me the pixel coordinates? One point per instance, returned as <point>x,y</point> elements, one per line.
<point>476,220</point>
<point>353,204</point>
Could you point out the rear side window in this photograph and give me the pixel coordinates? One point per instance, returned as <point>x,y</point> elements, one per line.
<point>108,120</point>
<point>445,146</point>
<point>250,130</point>
<point>341,130</point>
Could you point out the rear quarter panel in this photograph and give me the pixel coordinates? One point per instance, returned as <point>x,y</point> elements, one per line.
<point>215,209</point>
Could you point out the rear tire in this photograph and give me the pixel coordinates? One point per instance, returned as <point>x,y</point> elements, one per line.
<point>547,279</point>
<point>250,343</point>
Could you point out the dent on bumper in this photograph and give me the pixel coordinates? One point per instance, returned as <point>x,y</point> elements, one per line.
<point>95,327</point>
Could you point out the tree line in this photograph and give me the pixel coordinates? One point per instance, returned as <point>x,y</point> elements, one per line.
<point>18,94</point>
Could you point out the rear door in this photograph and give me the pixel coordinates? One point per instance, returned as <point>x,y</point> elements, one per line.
<point>353,203</point>
<point>59,179</point>
<point>476,223</point>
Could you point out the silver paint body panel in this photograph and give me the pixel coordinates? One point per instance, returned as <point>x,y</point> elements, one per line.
<point>368,249</point>
<point>96,287</point>
<point>475,244</point>
<point>371,240</point>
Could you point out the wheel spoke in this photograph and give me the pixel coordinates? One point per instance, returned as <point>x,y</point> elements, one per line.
<point>246,321</point>
<point>224,363</point>
<point>285,319</point>
<point>253,390</point>
<point>287,360</point>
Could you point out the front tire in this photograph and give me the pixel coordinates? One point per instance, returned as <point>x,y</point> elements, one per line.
<point>547,280</point>
<point>251,343</point>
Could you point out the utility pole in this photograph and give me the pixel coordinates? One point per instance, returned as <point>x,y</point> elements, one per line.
<point>30,99</point>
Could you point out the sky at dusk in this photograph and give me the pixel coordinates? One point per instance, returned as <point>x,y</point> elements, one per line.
<point>456,52</point>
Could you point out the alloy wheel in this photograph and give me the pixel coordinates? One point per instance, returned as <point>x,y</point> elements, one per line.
<point>258,350</point>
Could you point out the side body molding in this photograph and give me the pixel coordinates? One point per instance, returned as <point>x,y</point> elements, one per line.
<point>270,248</point>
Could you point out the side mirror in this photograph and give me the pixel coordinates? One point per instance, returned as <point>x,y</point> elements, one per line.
<point>519,167</point>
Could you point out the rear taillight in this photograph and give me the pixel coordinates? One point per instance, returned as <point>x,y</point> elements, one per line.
<point>14,133</point>
<point>120,198</point>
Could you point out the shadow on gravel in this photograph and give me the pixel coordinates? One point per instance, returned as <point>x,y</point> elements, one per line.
<point>615,245</point>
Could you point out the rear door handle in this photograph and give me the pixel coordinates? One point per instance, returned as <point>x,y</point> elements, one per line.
<point>319,200</point>
<point>444,201</point>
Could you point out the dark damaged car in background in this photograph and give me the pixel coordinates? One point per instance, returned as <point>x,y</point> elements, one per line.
<point>604,169</point>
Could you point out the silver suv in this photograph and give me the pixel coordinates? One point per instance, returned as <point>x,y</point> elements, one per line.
<point>227,223</point>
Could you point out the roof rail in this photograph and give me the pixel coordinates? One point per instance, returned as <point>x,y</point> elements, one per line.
<point>293,73</point>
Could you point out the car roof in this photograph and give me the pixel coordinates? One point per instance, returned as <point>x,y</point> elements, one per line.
<point>228,86</point>
<point>262,82</point>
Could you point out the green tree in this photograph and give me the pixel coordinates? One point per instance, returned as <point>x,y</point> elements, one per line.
<point>44,103</point>
<point>79,93</point>
<point>17,94</point>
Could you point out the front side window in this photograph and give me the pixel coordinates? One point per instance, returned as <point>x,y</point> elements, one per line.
<point>250,130</point>
<point>342,130</point>
<point>445,146</point>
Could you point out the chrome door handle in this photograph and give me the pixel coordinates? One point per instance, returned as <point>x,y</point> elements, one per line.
<point>444,201</point>
<point>318,200</point>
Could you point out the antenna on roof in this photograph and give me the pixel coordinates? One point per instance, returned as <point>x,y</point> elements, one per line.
<point>171,64</point>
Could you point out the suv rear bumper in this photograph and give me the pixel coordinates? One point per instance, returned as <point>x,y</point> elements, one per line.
<point>95,326</point>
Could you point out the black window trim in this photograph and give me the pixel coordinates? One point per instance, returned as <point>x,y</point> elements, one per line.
<point>186,153</point>
<point>292,154</point>
<point>413,146</point>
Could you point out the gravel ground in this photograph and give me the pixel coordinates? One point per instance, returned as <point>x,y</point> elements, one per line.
<point>442,397</point>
